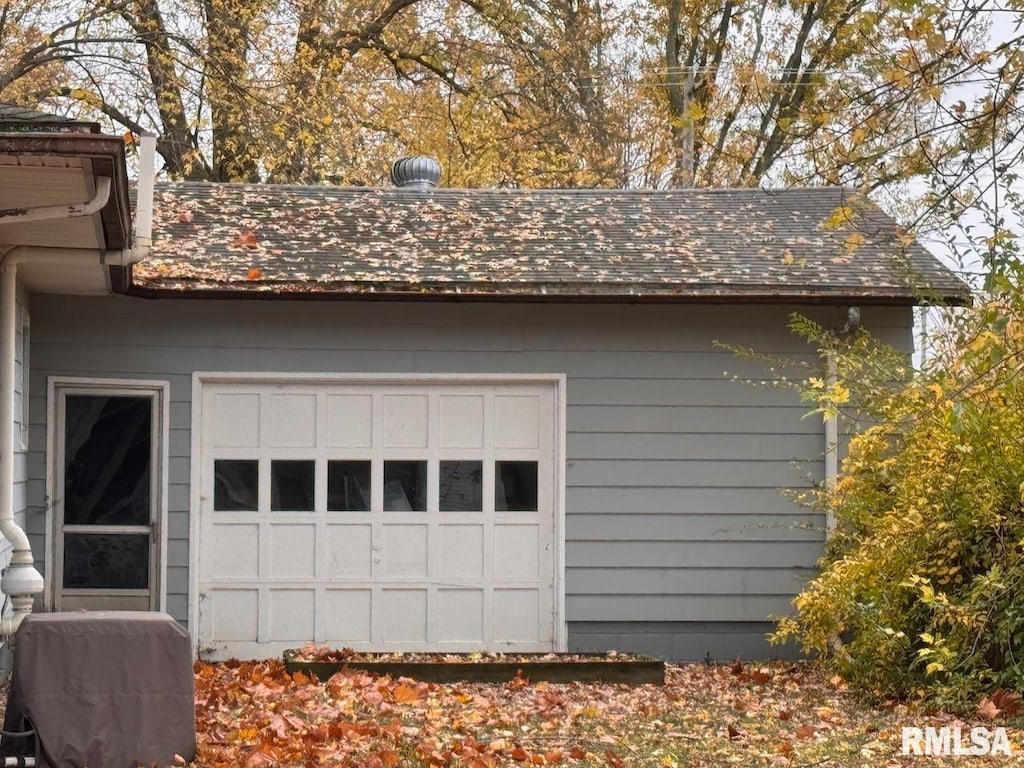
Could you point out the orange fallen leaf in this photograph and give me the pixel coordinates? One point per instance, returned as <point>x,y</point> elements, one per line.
<point>405,693</point>
<point>805,731</point>
<point>518,682</point>
<point>255,273</point>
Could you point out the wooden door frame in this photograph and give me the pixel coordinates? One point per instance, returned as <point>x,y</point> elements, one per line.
<point>159,391</point>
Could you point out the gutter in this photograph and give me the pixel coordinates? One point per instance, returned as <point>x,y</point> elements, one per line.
<point>67,211</point>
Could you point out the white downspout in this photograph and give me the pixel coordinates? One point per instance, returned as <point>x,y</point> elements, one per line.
<point>21,581</point>
<point>143,234</point>
<point>832,422</point>
<point>831,450</point>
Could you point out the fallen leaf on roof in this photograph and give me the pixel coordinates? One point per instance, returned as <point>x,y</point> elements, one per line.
<point>246,239</point>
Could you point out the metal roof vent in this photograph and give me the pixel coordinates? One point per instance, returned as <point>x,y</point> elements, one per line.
<point>418,172</point>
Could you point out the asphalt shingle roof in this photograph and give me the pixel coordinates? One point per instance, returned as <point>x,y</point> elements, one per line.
<point>21,119</point>
<point>606,244</point>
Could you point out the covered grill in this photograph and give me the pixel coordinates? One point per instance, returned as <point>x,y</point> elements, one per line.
<point>111,689</point>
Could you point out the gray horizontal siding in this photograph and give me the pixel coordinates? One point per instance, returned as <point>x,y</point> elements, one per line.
<point>673,511</point>
<point>695,446</point>
<point>691,474</point>
<point>676,581</point>
<point>697,500</point>
<point>604,607</point>
<point>689,554</point>
<point>683,526</point>
<point>743,418</point>
<point>685,640</point>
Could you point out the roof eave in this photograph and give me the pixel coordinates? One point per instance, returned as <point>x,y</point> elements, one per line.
<point>107,154</point>
<point>537,292</point>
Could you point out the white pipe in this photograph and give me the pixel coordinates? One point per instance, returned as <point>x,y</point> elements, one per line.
<point>831,449</point>
<point>144,199</point>
<point>64,211</point>
<point>21,581</point>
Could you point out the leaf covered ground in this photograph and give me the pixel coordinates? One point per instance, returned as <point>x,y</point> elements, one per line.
<point>255,715</point>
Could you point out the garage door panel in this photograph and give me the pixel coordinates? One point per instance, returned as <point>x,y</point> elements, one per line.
<point>406,421</point>
<point>516,421</point>
<point>350,552</point>
<point>234,614</point>
<point>404,615</point>
<point>348,618</point>
<point>516,615</point>
<point>460,551</point>
<point>349,422</point>
<point>292,420</point>
<point>516,552</point>
<point>239,548</point>
<point>461,421</point>
<point>292,551</point>
<point>236,421</point>
<point>459,616</point>
<point>291,615</point>
<point>405,551</point>
<point>380,515</point>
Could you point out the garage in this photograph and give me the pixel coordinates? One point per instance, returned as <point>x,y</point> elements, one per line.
<point>377,513</point>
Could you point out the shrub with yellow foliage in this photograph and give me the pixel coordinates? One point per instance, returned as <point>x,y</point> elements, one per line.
<point>920,593</point>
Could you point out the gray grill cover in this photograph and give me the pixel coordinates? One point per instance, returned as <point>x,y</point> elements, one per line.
<point>102,689</point>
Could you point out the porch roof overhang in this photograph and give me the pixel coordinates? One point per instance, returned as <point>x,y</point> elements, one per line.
<point>55,204</point>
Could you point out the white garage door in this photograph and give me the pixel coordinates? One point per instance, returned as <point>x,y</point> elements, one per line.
<point>386,515</point>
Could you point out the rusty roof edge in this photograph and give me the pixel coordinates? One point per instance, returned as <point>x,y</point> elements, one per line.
<point>583,292</point>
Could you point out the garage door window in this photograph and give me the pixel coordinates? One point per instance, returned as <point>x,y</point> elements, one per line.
<point>236,485</point>
<point>405,486</point>
<point>291,486</point>
<point>348,486</point>
<point>515,486</point>
<point>461,486</point>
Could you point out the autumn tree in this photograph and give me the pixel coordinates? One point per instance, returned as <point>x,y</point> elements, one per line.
<point>661,93</point>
